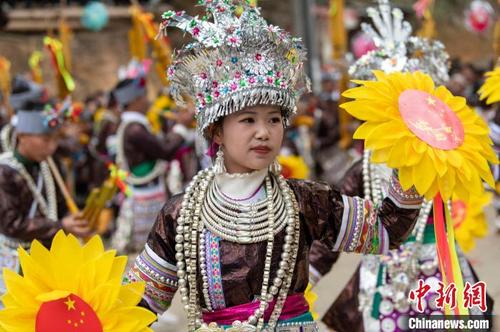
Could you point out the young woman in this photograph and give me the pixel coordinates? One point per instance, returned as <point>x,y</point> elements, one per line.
<point>236,243</point>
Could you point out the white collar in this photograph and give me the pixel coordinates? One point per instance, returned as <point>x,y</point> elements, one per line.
<point>132,116</point>
<point>241,185</point>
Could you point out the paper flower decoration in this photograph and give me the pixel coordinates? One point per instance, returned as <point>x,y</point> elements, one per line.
<point>469,220</point>
<point>293,167</point>
<point>479,16</point>
<point>72,288</point>
<point>435,140</point>
<point>362,44</point>
<point>491,87</point>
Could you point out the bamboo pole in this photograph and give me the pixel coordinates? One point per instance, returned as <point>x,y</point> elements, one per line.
<point>62,186</point>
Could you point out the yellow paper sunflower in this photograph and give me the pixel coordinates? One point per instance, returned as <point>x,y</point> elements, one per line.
<point>491,87</point>
<point>72,288</point>
<point>469,220</point>
<point>435,140</point>
<point>293,167</point>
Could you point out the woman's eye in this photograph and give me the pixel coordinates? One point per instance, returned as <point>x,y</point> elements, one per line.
<point>276,120</point>
<point>247,120</point>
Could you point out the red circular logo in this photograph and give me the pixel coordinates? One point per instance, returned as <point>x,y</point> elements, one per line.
<point>70,313</point>
<point>431,120</point>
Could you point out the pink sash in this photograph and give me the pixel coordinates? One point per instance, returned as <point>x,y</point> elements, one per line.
<point>295,305</point>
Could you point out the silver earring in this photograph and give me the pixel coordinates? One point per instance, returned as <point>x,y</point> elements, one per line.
<point>275,167</point>
<point>219,167</point>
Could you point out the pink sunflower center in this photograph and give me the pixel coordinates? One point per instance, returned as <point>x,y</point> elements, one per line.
<point>431,120</point>
<point>70,313</point>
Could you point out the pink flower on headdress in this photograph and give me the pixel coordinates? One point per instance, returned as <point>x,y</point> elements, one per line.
<point>258,56</point>
<point>278,74</point>
<point>251,79</point>
<point>219,62</point>
<point>203,76</point>
<point>215,84</point>
<point>196,31</point>
<point>270,80</point>
<point>234,86</point>
<point>180,13</point>
<point>171,71</point>
<point>233,40</point>
<point>216,93</point>
<point>237,74</point>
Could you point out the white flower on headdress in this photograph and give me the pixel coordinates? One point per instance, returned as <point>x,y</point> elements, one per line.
<point>393,64</point>
<point>258,64</point>
<point>234,40</point>
<point>274,29</point>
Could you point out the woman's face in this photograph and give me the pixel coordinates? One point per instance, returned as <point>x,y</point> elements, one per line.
<point>251,138</point>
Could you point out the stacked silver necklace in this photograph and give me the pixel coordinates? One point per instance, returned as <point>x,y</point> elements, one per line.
<point>242,223</point>
<point>205,208</point>
<point>47,207</point>
<point>402,267</point>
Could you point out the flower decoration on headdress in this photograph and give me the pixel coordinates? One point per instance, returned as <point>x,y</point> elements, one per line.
<point>236,61</point>
<point>396,50</point>
<point>55,116</point>
<point>72,288</point>
<point>491,87</point>
<point>435,140</point>
<point>134,69</point>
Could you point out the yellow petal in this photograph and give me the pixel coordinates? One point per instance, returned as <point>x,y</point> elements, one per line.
<point>364,130</point>
<point>406,177</point>
<point>131,294</point>
<point>424,174</point>
<point>93,248</point>
<point>53,295</point>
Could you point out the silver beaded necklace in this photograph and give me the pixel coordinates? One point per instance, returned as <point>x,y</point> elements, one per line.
<point>242,223</point>
<point>190,246</point>
<point>47,207</point>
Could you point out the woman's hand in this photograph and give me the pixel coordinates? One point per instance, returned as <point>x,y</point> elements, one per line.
<point>77,225</point>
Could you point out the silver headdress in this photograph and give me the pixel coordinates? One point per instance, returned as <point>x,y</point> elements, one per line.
<point>236,61</point>
<point>397,50</point>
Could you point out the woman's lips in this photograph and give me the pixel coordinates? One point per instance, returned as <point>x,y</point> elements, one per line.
<point>261,149</point>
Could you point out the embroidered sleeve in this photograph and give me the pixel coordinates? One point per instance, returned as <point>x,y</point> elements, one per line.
<point>361,231</point>
<point>156,264</point>
<point>367,229</point>
<point>160,277</point>
<point>409,199</point>
<point>353,224</point>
